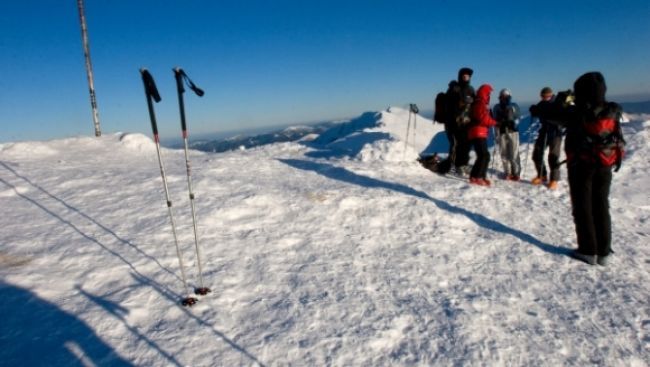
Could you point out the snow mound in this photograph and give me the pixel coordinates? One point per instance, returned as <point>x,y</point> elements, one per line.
<point>28,150</point>
<point>137,142</point>
<point>390,135</point>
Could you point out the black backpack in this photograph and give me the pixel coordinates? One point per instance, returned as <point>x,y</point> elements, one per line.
<point>440,114</point>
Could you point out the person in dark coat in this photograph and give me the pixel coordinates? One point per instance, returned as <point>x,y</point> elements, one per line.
<point>478,133</point>
<point>594,146</point>
<point>550,136</point>
<point>459,97</point>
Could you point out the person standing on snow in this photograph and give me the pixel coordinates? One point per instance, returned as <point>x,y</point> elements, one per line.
<point>506,114</point>
<point>478,133</point>
<point>550,136</point>
<point>594,145</point>
<point>458,100</point>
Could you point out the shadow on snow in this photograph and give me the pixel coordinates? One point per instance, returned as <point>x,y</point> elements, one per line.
<point>14,314</point>
<point>342,174</point>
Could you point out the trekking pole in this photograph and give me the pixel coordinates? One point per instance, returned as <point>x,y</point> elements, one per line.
<point>413,110</point>
<point>494,150</point>
<point>152,94</point>
<point>408,128</point>
<point>180,76</point>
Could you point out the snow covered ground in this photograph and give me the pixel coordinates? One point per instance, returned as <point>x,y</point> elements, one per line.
<point>340,251</point>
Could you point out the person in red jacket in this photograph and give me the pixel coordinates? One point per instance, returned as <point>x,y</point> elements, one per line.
<point>478,133</point>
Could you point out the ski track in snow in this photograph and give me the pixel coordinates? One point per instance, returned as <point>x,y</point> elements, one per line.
<point>356,256</point>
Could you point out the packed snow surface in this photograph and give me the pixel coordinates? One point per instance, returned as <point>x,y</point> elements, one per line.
<point>340,251</point>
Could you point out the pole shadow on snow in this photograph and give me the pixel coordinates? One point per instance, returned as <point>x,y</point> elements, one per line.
<point>119,312</point>
<point>110,307</point>
<point>174,298</point>
<point>342,174</point>
<point>82,214</point>
<point>35,332</point>
<point>74,227</point>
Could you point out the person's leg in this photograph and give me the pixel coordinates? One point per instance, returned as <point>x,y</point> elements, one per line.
<point>504,147</point>
<point>554,149</point>
<point>476,168</point>
<point>538,155</point>
<point>602,220</point>
<point>580,189</point>
<point>515,161</point>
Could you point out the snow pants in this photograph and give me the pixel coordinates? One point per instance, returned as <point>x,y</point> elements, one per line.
<point>479,170</point>
<point>589,188</point>
<point>509,149</point>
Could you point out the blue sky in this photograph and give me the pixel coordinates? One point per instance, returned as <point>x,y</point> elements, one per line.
<point>274,62</point>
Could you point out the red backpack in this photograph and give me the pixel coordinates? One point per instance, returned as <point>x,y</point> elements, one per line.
<point>603,140</point>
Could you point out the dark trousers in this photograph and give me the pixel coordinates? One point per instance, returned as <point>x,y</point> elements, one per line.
<point>463,146</point>
<point>589,188</point>
<point>459,147</point>
<point>554,144</point>
<point>479,170</point>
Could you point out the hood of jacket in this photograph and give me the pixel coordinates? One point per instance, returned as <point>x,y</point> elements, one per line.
<point>483,93</point>
<point>590,89</point>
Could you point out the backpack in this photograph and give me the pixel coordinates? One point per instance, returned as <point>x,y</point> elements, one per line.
<point>431,162</point>
<point>440,114</point>
<point>603,142</point>
<point>463,116</point>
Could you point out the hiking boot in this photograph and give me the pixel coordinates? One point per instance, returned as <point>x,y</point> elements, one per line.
<point>552,185</point>
<point>603,260</point>
<point>479,181</point>
<point>589,259</point>
<point>486,182</point>
<point>512,178</point>
<point>538,180</point>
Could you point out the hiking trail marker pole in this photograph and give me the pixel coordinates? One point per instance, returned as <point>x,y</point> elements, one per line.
<point>151,92</point>
<point>181,77</point>
<point>89,67</point>
<point>413,111</point>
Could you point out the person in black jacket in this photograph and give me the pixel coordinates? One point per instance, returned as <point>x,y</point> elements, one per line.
<point>594,145</point>
<point>550,136</point>
<point>458,98</point>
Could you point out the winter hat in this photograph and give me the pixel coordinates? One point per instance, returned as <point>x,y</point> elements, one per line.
<point>464,71</point>
<point>546,91</point>
<point>590,88</point>
<point>505,92</point>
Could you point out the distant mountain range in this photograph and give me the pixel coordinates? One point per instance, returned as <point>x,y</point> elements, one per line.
<point>636,107</point>
<point>242,141</point>
<point>293,133</point>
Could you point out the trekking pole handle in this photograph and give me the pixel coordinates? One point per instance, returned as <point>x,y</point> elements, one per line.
<point>150,85</point>
<point>151,92</point>
<point>181,76</point>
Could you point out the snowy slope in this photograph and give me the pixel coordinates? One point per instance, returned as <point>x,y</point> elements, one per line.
<point>340,251</point>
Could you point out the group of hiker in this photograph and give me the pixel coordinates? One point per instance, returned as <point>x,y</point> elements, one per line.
<point>594,146</point>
